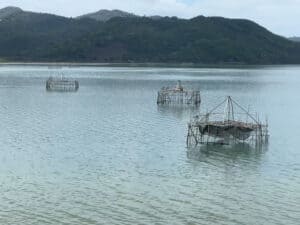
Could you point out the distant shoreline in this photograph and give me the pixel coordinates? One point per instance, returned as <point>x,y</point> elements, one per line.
<point>159,65</point>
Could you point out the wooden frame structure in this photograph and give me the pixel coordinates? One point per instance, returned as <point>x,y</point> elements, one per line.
<point>62,85</point>
<point>234,125</point>
<point>178,96</point>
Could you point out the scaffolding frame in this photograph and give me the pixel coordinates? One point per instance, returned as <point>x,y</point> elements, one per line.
<point>61,85</point>
<point>232,126</point>
<point>178,96</point>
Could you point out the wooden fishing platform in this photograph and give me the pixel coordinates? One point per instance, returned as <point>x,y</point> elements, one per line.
<point>178,96</point>
<point>229,127</point>
<point>62,85</point>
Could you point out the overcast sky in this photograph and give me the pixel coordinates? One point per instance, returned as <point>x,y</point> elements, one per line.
<point>279,16</point>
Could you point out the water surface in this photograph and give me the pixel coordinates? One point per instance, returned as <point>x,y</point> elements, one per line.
<point>109,155</point>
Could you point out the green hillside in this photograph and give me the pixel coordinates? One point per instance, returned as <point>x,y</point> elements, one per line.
<point>27,36</point>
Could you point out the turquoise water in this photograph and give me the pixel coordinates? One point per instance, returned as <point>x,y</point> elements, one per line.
<point>109,155</point>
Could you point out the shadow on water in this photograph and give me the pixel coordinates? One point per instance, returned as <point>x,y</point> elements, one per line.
<point>178,111</point>
<point>237,153</point>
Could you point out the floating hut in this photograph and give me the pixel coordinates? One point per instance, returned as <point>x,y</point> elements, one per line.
<point>62,85</point>
<point>232,126</point>
<point>178,95</point>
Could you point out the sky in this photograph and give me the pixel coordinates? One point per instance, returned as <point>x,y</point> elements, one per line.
<point>279,16</point>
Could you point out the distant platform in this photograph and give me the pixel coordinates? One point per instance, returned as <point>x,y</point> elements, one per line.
<point>62,85</point>
<point>178,96</point>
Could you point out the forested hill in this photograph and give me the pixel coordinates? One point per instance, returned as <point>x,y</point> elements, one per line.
<point>36,37</point>
<point>295,39</point>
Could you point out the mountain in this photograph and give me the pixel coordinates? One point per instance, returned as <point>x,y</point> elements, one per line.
<point>37,37</point>
<point>297,39</point>
<point>105,15</point>
<point>156,17</point>
<point>9,11</point>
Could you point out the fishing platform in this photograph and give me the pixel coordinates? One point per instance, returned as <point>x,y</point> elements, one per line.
<point>62,85</point>
<point>232,126</point>
<point>178,95</point>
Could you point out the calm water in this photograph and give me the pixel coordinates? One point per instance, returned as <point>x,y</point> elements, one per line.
<point>108,155</point>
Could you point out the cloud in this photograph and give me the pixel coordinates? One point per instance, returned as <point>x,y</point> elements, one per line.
<point>279,16</point>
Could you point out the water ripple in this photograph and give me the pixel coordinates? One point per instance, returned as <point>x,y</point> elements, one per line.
<point>109,155</point>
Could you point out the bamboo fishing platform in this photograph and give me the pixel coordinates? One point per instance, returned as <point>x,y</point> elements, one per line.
<point>62,85</point>
<point>234,125</point>
<point>178,96</point>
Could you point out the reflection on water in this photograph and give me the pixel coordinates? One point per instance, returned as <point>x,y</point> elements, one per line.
<point>178,111</point>
<point>236,152</point>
